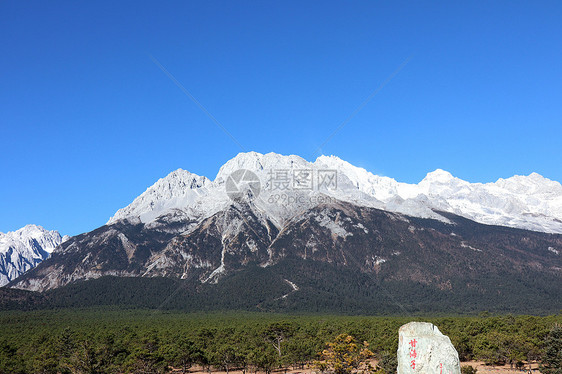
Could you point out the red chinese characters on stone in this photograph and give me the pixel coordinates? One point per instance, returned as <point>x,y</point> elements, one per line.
<point>413,353</point>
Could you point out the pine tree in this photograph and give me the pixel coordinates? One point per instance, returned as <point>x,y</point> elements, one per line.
<point>344,355</point>
<point>551,362</point>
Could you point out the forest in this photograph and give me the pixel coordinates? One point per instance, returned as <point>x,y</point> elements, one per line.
<point>112,340</point>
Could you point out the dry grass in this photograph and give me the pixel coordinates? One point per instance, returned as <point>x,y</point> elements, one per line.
<point>481,368</point>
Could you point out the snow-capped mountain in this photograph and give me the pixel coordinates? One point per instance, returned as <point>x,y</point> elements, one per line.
<point>282,220</point>
<point>528,202</point>
<point>23,249</point>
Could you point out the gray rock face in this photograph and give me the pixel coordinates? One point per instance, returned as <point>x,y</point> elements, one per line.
<point>423,349</point>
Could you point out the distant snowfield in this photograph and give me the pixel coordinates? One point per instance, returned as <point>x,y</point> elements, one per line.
<point>527,202</point>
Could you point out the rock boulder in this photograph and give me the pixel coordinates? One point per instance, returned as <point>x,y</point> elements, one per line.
<point>423,349</point>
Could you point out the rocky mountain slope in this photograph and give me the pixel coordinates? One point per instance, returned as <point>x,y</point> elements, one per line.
<point>301,234</point>
<point>23,249</point>
<point>335,257</point>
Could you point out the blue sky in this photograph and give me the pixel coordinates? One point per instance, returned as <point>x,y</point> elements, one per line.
<point>89,121</point>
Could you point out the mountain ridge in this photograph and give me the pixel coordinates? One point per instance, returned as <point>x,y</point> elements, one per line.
<point>528,202</point>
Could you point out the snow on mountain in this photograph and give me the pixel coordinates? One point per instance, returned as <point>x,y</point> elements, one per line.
<point>392,195</point>
<point>528,202</point>
<point>261,164</point>
<point>178,190</point>
<point>281,196</point>
<point>23,249</point>
<point>290,185</point>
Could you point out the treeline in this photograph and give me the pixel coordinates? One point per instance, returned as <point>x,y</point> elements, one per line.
<point>114,341</point>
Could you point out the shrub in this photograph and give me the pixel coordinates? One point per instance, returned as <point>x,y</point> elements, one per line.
<point>468,369</point>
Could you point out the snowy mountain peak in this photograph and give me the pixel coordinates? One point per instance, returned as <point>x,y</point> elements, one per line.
<point>536,176</point>
<point>48,240</point>
<point>28,230</point>
<point>374,185</point>
<point>23,249</point>
<point>330,160</point>
<point>334,162</point>
<point>257,162</point>
<point>438,176</point>
<point>532,184</point>
<point>530,202</point>
<point>177,190</point>
<point>182,178</point>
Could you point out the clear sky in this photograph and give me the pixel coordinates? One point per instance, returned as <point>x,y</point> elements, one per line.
<point>88,120</point>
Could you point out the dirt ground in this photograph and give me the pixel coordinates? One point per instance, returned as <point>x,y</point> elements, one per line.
<point>481,368</point>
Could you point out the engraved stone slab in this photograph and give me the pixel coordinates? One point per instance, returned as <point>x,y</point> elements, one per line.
<point>423,349</point>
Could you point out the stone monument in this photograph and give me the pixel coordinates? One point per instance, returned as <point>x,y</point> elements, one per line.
<point>423,349</point>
